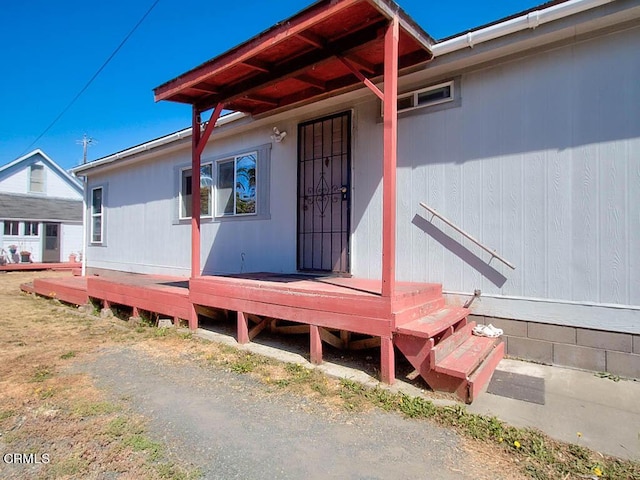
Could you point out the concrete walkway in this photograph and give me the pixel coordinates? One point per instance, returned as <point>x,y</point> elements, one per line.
<point>579,407</point>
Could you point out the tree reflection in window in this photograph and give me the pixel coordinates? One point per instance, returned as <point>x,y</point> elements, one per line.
<point>236,185</point>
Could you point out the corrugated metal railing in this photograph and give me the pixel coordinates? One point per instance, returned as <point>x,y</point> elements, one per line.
<point>465,234</point>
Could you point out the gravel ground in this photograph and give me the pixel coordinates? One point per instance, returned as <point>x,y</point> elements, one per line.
<point>230,427</point>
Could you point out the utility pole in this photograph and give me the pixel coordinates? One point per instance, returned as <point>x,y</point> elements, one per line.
<point>85,142</point>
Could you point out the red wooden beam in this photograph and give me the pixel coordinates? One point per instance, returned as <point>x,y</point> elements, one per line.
<point>202,142</point>
<point>300,23</point>
<point>257,65</point>
<point>297,65</point>
<point>390,158</point>
<point>361,77</point>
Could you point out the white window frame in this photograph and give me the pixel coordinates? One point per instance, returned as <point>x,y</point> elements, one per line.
<point>12,222</point>
<point>43,180</point>
<point>27,232</point>
<point>181,194</point>
<point>95,215</point>
<point>415,95</point>
<point>234,159</point>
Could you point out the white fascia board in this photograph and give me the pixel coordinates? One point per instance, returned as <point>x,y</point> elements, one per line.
<point>523,22</point>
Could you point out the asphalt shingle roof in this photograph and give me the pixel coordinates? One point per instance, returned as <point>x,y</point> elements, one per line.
<point>26,207</point>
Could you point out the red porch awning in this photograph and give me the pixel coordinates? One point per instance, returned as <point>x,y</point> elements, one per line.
<point>327,48</point>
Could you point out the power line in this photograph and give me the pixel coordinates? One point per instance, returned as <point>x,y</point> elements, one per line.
<point>95,75</point>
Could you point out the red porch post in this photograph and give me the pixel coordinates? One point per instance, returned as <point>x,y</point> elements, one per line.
<point>198,142</point>
<point>390,158</point>
<point>195,192</point>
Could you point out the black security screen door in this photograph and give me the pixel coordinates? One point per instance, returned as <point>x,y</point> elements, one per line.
<point>324,206</point>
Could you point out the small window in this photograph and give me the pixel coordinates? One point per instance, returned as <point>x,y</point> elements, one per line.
<point>236,186</point>
<point>206,185</point>
<point>36,178</point>
<point>425,97</point>
<point>11,227</point>
<point>96,215</point>
<point>31,229</point>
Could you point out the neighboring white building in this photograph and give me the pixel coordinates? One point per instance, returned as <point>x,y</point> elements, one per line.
<point>40,209</point>
<point>525,133</point>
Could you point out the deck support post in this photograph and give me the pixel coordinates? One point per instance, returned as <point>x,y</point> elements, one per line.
<point>193,318</point>
<point>243,328</point>
<point>198,141</point>
<point>316,344</point>
<point>390,158</point>
<point>135,312</point>
<point>106,304</point>
<point>387,361</point>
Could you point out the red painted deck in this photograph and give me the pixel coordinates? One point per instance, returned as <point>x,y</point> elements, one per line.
<point>436,339</point>
<point>160,294</point>
<point>70,290</point>
<point>333,302</point>
<point>21,267</point>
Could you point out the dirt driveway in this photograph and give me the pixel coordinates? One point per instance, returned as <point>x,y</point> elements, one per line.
<point>102,399</point>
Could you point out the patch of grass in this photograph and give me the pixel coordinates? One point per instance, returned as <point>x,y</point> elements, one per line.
<point>297,372</point>
<point>68,355</point>
<point>245,363</point>
<point>186,335</point>
<point>42,373</point>
<point>91,409</point>
<point>118,427</point>
<point>173,472</point>
<point>70,466</point>
<point>141,443</point>
<point>161,332</point>
<point>44,394</point>
<point>4,414</point>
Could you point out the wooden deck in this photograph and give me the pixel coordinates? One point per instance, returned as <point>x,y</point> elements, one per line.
<point>332,302</point>
<point>22,267</point>
<point>436,339</point>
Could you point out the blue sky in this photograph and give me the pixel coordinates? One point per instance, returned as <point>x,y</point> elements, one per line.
<point>49,50</point>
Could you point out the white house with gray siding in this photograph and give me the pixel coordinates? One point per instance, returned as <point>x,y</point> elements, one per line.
<point>525,134</point>
<point>40,209</point>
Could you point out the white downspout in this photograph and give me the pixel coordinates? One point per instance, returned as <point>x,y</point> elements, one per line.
<point>84,227</point>
<point>523,22</point>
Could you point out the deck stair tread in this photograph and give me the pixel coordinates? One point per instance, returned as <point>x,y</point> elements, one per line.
<point>463,360</point>
<point>482,375</point>
<point>431,325</point>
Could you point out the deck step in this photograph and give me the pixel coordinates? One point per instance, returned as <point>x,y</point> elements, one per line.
<point>463,360</point>
<point>451,343</point>
<point>480,378</point>
<point>431,325</point>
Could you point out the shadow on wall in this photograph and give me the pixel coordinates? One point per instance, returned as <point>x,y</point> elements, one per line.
<point>460,250</point>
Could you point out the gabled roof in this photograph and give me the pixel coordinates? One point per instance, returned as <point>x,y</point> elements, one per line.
<point>32,157</point>
<point>15,206</point>
<point>302,59</point>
